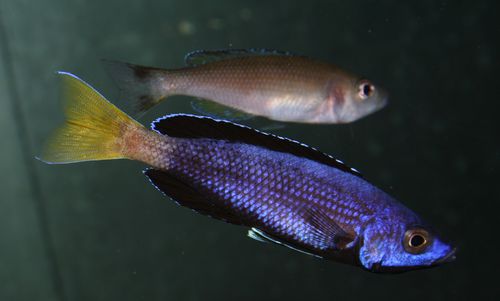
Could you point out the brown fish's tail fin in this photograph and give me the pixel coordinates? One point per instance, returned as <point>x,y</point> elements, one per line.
<point>143,87</point>
<point>94,128</point>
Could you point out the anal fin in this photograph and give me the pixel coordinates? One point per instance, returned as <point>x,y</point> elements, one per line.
<point>188,196</point>
<point>215,110</point>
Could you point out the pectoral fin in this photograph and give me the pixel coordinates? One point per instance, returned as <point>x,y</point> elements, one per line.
<point>324,229</point>
<point>215,110</point>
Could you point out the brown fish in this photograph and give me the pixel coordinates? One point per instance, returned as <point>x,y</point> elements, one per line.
<point>272,84</point>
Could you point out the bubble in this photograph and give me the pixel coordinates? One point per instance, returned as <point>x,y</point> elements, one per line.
<point>186,27</point>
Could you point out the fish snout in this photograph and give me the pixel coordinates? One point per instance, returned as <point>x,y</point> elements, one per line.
<point>449,257</point>
<point>383,98</point>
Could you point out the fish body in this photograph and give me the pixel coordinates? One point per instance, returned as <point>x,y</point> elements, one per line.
<point>312,206</point>
<point>284,191</point>
<point>279,86</point>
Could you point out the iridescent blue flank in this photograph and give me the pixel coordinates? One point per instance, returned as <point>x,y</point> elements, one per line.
<point>296,201</point>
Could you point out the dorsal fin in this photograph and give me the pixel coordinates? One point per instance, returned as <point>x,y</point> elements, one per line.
<point>200,57</point>
<point>193,126</point>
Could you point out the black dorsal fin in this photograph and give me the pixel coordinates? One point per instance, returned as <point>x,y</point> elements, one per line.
<point>188,196</point>
<point>193,126</point>
<point>200,57</point>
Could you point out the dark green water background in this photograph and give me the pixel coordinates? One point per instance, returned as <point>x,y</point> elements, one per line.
<point>100,231</point>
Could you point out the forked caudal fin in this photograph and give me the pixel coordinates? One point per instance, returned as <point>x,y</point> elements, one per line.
<point>93,129</point>
<point>143,87</point>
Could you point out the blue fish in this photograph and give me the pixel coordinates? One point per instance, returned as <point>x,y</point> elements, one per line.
<point>283,191</point>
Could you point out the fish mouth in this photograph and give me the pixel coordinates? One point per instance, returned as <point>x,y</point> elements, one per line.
<point>447,258</point>
<point>383,100</point>
<point>379,268</point>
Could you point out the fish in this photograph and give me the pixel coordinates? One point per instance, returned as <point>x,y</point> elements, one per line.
<point>284,192</point>
<point>239,83</point>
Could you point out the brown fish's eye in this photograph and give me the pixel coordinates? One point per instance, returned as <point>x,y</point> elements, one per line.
<point>365,89</point>
<point>416,241</point>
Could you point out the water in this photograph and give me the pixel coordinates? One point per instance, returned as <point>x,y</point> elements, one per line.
<point>99,231</point>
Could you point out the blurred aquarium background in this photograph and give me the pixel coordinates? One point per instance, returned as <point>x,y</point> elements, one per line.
<point>100,231</point>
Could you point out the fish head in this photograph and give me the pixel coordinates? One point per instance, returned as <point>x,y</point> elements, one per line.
<point>361,99</point>
<point>391,245</point>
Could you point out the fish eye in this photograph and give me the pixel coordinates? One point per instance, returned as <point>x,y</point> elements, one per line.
<point>416,241</point>
<point>366,89</point>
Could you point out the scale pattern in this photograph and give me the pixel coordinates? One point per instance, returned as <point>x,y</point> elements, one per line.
<point>281,87</point>
<point>269,190</point>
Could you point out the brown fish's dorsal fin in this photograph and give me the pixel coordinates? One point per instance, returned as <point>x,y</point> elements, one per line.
<point>201,57</point>
<point>187,196</point>
<point>193,126</point>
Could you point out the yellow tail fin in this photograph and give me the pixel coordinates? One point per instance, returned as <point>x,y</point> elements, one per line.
<point>93,129</point>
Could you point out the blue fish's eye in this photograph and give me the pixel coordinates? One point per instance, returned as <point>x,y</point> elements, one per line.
<point>416,241</point>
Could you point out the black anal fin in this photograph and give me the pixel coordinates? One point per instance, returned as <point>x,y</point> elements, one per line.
<point>189,196</point>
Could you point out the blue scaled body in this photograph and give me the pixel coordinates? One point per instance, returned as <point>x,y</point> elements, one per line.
<point>286,193</point>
